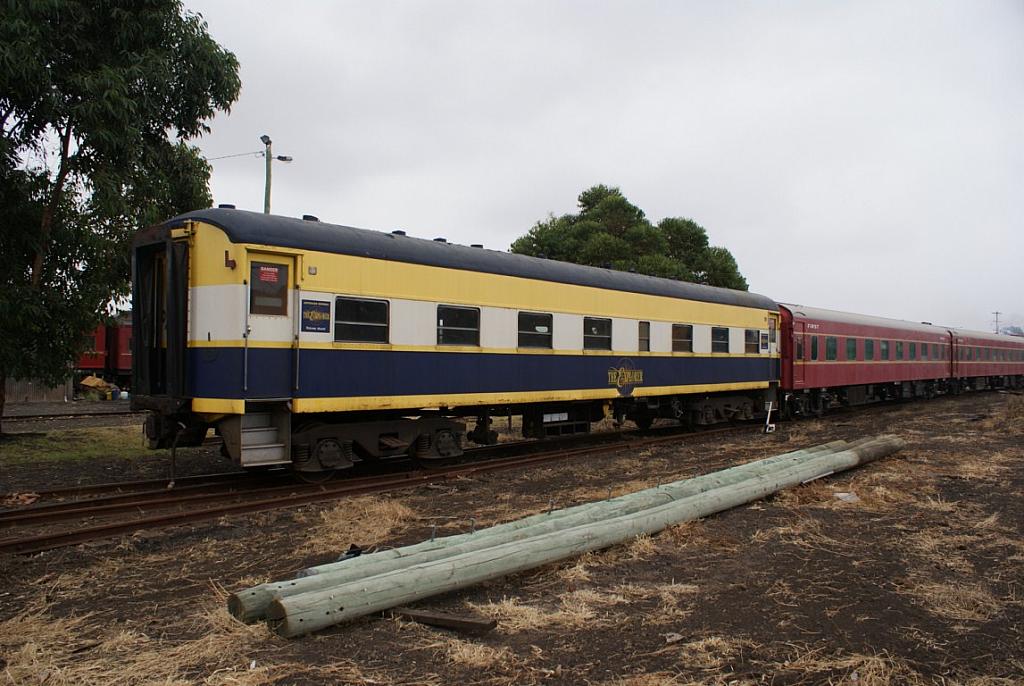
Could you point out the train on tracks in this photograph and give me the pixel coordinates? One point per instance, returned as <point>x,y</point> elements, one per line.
<point>108,353</point>
<point>317,346</point>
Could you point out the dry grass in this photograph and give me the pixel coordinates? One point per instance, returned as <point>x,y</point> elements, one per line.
<point>670,602</point>
<point>592,494</point>
<point>864,670</point>
<point>964,602</point>
<point>513,616</point>
<point>641,548</point>
<point>815,493</point>
<point>710,653</point>
<point>365,521</point>
<point>941,549</point>
<point>581,608</point>
<point>469,654</point>
<point>577,571</point>
<point>803,531</point>
<point>805,434</point>
<point>40,648</point>
<point>659,679</point>
<point>1010,419</point>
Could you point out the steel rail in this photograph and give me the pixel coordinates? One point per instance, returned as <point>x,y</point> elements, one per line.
<point>45,417</point>
<point>144,484</point>
<point>69,509</point>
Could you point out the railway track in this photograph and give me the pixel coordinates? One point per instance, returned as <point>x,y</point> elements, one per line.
<point>83,415</point>
<point>124,487</point>
<point>198,501</point>
<point>215,495</point>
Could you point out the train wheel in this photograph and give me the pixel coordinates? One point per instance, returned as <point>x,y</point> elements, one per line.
<point>818,406</point>
<point>643,421</point>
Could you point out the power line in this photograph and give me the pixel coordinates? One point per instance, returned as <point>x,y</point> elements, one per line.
<point>240,154</point>
<point>997,313</point>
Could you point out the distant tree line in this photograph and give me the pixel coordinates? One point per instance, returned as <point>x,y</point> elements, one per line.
<point>610,231</point>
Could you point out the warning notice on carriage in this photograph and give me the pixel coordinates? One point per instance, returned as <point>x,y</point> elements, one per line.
<point>269,273</point>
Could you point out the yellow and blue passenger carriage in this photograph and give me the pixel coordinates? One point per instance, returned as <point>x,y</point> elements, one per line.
<point>318,345</point>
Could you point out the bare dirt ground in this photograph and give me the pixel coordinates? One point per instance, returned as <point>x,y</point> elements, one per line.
<point>917,582</point>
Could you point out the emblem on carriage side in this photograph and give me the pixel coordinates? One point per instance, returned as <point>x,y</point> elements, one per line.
<point>625,377</point>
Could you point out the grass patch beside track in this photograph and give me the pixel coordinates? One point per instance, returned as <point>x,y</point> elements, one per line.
<point>74,444</point>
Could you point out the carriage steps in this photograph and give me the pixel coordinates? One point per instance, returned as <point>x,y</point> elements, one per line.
<point>260,441</point>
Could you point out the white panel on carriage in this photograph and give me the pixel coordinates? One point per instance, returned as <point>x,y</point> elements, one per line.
<point>701,338</point>
<point>273,328</point>
<point>499,327</point>
<point>661,337</point>
<point>625,335</point>
<point>216,313</point>
<point>413,322</point>
<point>737,340</point>
<point>568,331</point>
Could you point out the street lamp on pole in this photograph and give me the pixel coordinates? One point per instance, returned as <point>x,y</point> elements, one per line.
<point>270,158</point>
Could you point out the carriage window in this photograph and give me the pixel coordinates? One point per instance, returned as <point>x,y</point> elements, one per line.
<point>913,352</point>
<point>831,347</point>
<point>851,348</point>
<point>682,338</point>
<point>924,351</point>
<point>268,288</point>
<point>597,333</point>
<point>935,351</point>
<point>364,321</point>
<point>799,347</point>
<point>814,348</point>
<point>869,349</point>
<point>645,336</point>
<point>458,325</point>
<point>750,341</point>
<point>535,330</point>
<point>771,330</point>
<point>719,339</point>
<point>883,350</point>
<point>899,350</point>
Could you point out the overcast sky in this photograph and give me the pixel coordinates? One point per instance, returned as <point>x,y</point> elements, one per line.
<point>862,156</point>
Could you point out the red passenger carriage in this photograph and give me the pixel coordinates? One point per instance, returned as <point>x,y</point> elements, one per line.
<point>834,358</point>
<point>838,358</point>
<point>109,352</point>
<point>985,360</point>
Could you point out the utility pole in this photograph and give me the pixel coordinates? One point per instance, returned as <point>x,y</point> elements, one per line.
<point>997,313</point>
<point>270,158</point>
<point>266,188</point>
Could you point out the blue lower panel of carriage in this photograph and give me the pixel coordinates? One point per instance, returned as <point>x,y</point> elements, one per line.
<point>219,372</point>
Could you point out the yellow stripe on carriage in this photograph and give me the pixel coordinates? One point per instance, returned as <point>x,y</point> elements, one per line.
<point>398,402</point>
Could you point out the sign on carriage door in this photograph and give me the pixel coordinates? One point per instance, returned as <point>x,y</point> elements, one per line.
<point>799,353</point>
<point>269,327</point>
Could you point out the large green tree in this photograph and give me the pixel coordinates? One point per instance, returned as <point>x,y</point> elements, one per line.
<point>98,100</point>
<point>610,231</point>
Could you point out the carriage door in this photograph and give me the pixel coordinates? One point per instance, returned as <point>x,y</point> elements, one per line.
<point>268,365</point>
<point>799,352</point>
<point>160,274</point>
